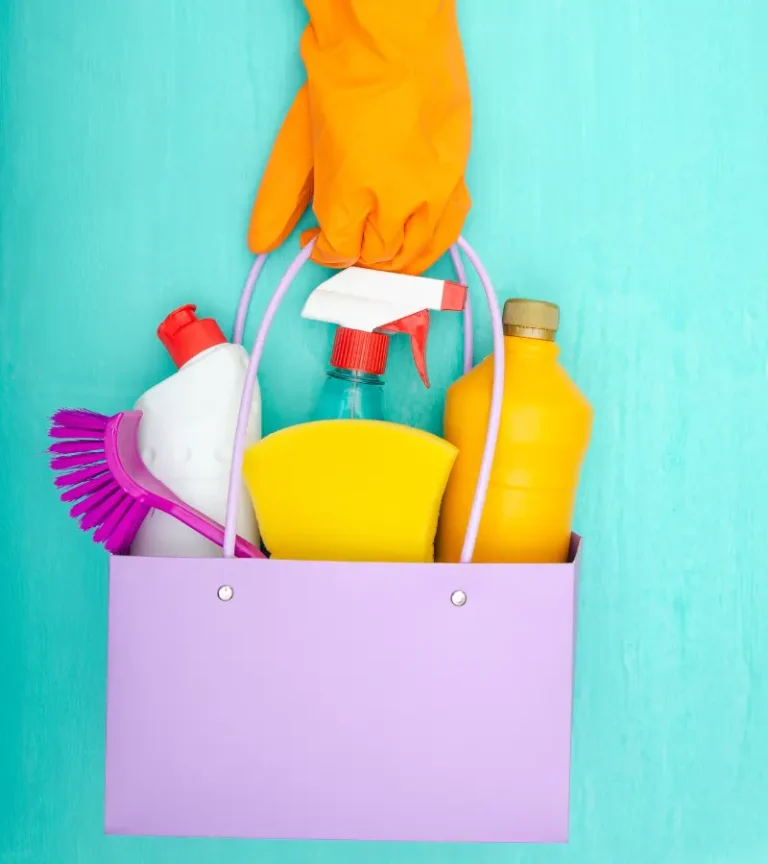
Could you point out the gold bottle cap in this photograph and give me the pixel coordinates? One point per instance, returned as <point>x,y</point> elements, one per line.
<point>532,319</point>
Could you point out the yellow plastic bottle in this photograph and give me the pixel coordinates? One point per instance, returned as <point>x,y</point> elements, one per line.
<point>545,428</point>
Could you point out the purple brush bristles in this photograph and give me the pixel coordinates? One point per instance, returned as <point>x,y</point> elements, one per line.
<point>99,502</point>
<point>76,447</point>
<point>102,475</point>
<point>121,537</point>
<point>78,460</point>
<point>87,487</point>
<point>79,476</point>
<point>80,418</point>
<point>77,423</point>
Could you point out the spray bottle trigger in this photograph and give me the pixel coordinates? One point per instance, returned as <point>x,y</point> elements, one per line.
<point>417,327</point>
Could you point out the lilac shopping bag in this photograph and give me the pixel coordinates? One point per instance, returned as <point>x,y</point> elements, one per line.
<point>322,700</point>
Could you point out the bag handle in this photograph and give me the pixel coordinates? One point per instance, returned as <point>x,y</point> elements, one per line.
<point>245,298</point>
<point>258,265</point>
<point>494,418</point>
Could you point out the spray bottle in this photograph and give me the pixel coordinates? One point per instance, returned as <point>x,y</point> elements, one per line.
<point>367,306</point>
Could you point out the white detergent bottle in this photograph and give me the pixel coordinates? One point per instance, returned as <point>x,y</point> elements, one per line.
<point>187,434</point>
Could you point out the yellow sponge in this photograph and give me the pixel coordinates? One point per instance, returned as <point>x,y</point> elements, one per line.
<point>349,490</point>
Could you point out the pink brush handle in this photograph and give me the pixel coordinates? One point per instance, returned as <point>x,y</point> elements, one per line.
<point>200,523</point>
<point>121,450</point>
<point>492,434</point>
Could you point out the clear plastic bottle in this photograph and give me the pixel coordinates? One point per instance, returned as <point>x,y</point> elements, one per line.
<point>354,386</point>
<point>350,395</point>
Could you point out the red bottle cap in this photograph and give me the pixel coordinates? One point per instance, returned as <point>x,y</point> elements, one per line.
<point>359,351</point>
<point>185,335</point>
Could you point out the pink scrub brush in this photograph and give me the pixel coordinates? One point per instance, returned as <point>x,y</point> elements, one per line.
<point>112,486</point>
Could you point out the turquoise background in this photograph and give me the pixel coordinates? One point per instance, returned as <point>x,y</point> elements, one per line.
<point>619,168</point>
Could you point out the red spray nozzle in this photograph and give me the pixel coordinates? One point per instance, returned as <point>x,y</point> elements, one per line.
<point>417,325</point>
<point>363,300</point>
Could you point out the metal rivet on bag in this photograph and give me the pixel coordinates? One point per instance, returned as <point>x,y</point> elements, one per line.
<point>458,598</point>
<point>225,593</point>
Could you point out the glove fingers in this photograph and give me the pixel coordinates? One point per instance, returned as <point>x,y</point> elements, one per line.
<point>328,255</point>
<point>382,241</point>
<point>425,241</point>
<point>286,187</point>
<point>446,232</point>
<point>412,248</point>
<point>323,253</point>
<point>342,220</point>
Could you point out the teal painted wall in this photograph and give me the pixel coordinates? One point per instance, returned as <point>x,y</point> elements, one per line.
<point>619,168</point>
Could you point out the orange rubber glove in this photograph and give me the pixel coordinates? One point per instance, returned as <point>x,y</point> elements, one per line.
<point>379,136</point>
